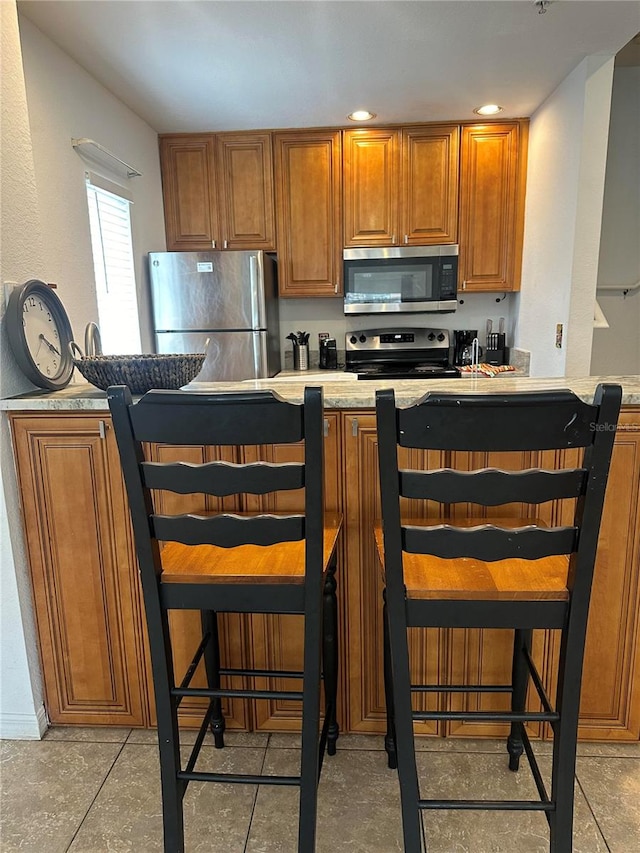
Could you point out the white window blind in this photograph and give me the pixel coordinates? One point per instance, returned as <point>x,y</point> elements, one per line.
<point>110,222</point>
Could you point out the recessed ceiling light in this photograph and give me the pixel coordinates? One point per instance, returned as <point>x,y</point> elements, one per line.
<point>361,115</point>
<point>488,110</point>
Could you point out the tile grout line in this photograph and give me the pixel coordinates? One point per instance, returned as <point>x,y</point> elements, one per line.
<point>100,787</point>
<point>593,814</point>
<point>255,796</point>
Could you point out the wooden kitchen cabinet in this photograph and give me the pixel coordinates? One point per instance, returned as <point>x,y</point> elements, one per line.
<point>401,185</point>
<point>492,190</point>
<point>363,606</point>
<point>84,574</point>
<point>277,641</point>
<point>185,625</point>
<point>371,169</point>
<point>218,191</point>
<point>308,168</point>
<point>610,707</point>
<point>189,189</point>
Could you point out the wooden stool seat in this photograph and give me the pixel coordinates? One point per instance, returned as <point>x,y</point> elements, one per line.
<point>468,579</point>
<point>282,563</point>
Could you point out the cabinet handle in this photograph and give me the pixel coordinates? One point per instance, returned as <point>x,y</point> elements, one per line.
<point>213,244</point>
<point>354,426</point>
<point>406,238</point>
<point>225,245</point>
<point>393,238</point>
<point>102,429</point>
<point>335,288</point>
<point>464,285</point>
<point>326,427</point>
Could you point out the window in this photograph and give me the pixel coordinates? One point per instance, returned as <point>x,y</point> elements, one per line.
<point>110,222</point>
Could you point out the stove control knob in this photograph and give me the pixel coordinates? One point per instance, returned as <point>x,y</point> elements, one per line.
<point>353,339</point>
<point>431,336</point>
<point>363,338</point>
<point>440,337</point>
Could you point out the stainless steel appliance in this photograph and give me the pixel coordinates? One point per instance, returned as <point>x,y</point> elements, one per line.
<point>401,279</point>
<point>399,353</point>
<point>228,297</point>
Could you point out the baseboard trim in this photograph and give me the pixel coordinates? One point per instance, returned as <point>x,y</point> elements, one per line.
<point>24,726</point>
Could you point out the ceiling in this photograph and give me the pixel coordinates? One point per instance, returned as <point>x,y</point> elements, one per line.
<point>220,65</point>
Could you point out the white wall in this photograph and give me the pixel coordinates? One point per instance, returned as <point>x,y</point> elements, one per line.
<point>21,256</point>
<point>616,350</point>
<point>64,102</point>
<point>46,100</point>
<point>565,187</point>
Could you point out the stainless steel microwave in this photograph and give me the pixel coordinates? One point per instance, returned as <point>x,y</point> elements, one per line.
<point>401,279</point>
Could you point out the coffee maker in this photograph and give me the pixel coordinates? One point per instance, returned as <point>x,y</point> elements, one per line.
<point>462,346</point>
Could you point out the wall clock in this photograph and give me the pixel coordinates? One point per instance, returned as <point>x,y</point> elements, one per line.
<point>39,334</point>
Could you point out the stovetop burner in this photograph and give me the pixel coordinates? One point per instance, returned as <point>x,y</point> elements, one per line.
<point>399,353</point>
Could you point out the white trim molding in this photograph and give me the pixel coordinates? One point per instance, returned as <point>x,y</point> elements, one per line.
<point>24,726</point>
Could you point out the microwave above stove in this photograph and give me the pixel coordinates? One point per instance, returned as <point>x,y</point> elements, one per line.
<point>401,279</point>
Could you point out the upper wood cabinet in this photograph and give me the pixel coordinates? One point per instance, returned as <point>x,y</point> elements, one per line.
<point>401,186</point>
<point>189,192</point>
<point>218,191</point>
<point>492,188</point>
<point>371,174</point>
<point>308,210</point>
<point>247,212</point>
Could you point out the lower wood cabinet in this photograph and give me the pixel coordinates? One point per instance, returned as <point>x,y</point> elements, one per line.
<point>86,593</point>
<point>90,616</point>
<point>610,708</point>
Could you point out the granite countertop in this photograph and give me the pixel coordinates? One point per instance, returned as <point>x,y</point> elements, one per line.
<point>339,393</point>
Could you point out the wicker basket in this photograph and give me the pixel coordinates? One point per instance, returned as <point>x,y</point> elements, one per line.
<point>140,372</point>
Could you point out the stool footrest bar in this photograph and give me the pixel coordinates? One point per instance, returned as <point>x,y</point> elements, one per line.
<point>262,673</point>
<point>461,688</point>
<point>238,778</point>
<point>489,805</point>
<point>495,716</point>
<point>237,694</point>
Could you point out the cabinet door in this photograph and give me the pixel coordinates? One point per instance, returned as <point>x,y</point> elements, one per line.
<point>492,187</point>
<point>246,191</point>
<point>370,195</point>
<point>367,708</point>
<point>308,213</point>
<point>429,207</point>
<point>278,641</point>
<point>610,703</point>
<point>185,625</point>
<point>189,192</point>
<point>83,570</point>
<point>482,655</point>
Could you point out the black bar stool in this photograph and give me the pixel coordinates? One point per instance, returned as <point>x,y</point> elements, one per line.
<point>241,563</point>
<point>491,572</point>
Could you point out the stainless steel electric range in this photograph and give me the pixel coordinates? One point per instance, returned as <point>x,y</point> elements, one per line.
<point>399,353</point>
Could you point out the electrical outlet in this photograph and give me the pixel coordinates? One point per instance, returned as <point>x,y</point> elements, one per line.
<point>559,332</point>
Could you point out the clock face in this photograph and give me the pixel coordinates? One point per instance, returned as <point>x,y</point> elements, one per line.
<point>39,333</point>
<point>42,336</point>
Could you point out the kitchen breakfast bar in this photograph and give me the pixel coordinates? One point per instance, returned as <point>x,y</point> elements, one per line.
<point>88,604</point>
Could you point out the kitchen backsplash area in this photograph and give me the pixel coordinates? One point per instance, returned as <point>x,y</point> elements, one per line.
<point>326,315</point>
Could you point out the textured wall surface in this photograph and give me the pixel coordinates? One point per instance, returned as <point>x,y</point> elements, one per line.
<point>21,257</point>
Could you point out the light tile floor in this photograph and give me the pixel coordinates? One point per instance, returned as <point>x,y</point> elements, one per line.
<point>87,790</point>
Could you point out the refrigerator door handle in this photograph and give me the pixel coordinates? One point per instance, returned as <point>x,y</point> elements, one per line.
<point>257,294</point>
<point>259,355</point>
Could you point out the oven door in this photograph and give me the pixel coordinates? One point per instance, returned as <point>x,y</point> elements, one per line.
<point>400,279</point>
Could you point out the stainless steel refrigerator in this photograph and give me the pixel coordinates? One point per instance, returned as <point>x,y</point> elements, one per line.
<point>230,298</point>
